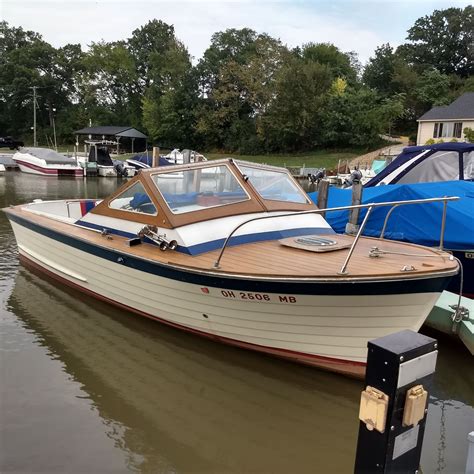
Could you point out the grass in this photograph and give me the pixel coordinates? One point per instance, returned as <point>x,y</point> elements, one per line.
<point>316,159</point>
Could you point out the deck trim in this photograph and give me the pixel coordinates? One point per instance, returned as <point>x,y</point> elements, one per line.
<point>425,283</point>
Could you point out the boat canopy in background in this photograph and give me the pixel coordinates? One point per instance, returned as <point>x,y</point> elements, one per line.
<point>418,223</point>
<point>437,170</point>
<point>51,157</point>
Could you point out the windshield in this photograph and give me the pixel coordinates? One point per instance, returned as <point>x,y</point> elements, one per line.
<point>198,189</point>
<point>274,185</point>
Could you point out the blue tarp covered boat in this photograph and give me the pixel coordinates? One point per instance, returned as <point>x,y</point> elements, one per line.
<point>418,223</point>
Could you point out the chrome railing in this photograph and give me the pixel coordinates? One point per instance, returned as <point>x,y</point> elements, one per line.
<point>369,207</point>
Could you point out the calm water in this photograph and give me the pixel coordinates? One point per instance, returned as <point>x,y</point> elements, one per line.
<point>85,387</point>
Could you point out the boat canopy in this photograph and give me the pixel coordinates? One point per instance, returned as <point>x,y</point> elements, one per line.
<point>172,196</point>
<point>51,157</point>
<point>429,163</point>
<point>100,155</point>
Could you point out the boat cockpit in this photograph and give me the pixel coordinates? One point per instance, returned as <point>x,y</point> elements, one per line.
<point>199,204</point>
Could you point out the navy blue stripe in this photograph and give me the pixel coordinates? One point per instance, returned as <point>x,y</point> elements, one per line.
<point>218,243</point>
<point>283,287</point>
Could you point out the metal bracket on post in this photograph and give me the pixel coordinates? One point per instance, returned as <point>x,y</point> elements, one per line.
<point>393,409</point>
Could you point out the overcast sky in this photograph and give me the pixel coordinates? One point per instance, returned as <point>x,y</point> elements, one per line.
<point>352,25</point>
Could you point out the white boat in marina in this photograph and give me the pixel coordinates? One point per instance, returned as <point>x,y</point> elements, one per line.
<point>99,156</point>
<point>46,162</point>
<point>177,157</point>
<point>238,253</point>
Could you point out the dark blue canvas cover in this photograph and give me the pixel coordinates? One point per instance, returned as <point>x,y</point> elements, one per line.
<point>411,151</point>
<point>417,223</point>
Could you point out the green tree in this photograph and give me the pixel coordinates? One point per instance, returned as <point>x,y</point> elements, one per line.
<point>237,78</point>
<point>357,118</point>
<point>26,60</point>
<point>294,119</point>
<point>344,65</point>
<point>443,40</point>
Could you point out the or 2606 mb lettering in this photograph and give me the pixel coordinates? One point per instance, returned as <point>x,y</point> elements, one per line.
<point>245,295</point>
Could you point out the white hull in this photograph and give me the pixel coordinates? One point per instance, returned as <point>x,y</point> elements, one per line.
<point>106,171</point>
<point>31,164</point>
<point>322,330</point>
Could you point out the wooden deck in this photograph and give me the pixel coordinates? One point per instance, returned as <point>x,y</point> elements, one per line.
<point>274,260</point>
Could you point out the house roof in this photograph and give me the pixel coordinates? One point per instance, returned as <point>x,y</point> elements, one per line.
<point>461,108</point>
<point>116,131</point>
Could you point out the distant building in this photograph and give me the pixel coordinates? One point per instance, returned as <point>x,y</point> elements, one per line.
<point>447,122</point>
<point>128,139</point>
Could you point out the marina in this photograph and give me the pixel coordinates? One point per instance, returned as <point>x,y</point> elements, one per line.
<point>244,246</point>
<point>140,396</point>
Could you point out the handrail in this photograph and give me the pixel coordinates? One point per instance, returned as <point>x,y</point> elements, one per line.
<point>344,208</point>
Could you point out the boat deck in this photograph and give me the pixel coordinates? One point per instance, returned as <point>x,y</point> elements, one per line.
<point>270,259</point>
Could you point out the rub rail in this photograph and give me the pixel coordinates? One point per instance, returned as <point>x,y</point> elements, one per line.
<point>369,206</point>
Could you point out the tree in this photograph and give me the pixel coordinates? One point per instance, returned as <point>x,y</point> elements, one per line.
<point>344,65</point>
<point>443,40</point>
<point>357,117</point>
<point>26,61</point>
<point>380,70</point>
<point>110,83</point>
<point>237,77</point>
<point>294,119</point>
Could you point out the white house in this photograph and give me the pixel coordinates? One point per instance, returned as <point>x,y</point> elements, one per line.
<point>447,122</point>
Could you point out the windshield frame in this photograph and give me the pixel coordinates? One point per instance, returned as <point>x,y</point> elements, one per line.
<point>155,176</point>
<point>273,169</point>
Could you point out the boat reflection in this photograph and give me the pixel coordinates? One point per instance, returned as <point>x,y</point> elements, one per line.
<point>187,404</point>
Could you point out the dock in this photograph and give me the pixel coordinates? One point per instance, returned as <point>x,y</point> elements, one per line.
<point>6,160</point>
<point>442,318</point>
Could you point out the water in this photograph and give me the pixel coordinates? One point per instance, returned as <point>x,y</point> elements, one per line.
<point>86,387</point>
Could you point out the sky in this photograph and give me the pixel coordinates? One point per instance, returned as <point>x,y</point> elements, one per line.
<point>352,25</point>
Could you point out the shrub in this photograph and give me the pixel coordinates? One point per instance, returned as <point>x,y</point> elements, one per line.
<point>430,141</point>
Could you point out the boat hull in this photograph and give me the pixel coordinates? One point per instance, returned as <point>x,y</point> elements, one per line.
<point>34,168</point>
<point>316,323</point>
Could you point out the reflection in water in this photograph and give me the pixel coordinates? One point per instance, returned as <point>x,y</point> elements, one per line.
<point>171,402</point>
<point>191,405</point>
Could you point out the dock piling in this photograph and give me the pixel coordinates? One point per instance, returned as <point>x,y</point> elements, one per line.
<point>323,193</point>
<point>352,226</point>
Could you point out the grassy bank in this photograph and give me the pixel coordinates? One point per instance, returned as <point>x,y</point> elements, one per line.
<point>316,159</point>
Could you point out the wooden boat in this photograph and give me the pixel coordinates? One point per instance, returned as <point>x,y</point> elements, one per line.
<point>236,252</point>
<point>46,162</point>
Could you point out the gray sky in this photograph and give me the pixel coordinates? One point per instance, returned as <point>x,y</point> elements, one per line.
<point>352,25</point>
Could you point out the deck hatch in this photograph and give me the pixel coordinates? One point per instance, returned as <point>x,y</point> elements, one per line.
<point>318,243</point>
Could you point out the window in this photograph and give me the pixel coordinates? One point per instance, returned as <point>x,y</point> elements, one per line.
<point>134,199</point>
<point>469,166</point>
<point>440,166</point>
<point>274,185</point>
<point>447,130</point>
<point>198,189</point>
<point>457,130</point>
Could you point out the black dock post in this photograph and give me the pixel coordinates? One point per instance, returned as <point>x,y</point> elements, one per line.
<point>393,408</point>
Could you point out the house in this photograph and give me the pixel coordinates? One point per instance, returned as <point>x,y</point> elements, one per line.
<point>447,122</point>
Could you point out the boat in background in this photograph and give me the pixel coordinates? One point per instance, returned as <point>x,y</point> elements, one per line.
<point>46,162</point>
<point>236,252</point>
<point>145,160</point>
<point>429,163</point>
<point>100,163</point>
